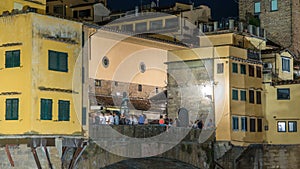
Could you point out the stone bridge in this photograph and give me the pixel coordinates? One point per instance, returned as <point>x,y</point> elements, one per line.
<point>111,145</point>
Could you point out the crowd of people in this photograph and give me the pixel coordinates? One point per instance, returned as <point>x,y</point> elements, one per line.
<point>109,118</point>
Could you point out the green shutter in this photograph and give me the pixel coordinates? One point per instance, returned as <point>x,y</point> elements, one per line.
<point>12,109</point>
<point>52,60</point>
<point>16,58</point>
<point>8,59</point>
<point>63,110</point>
<point>46,109</point>
<point>63,62</point>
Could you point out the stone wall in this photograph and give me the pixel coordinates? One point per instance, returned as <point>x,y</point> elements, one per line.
<point>188,150</point>
<point>23,157</point>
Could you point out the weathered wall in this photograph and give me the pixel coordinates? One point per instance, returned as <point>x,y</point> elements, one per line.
<point>23,157</point>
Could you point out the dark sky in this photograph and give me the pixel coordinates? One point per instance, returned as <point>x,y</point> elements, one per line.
<point>220,8</point>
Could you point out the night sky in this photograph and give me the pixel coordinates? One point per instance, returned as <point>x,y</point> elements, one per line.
<point>220,8</point>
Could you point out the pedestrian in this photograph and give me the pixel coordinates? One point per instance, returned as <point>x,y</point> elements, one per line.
<point>141,119</point>
<point>116,118</point>
<point>161,121</point>
<point>111,119</point>
<point>200,124</point>
<point>102,118</point>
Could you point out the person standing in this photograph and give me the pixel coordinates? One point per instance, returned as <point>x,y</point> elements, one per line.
<point>116,119</point>
<point>141,119</point>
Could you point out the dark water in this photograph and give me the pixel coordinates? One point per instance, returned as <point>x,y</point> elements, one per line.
<point>150,163</point>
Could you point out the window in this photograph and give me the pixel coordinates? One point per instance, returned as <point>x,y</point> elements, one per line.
<point>251,70</point>
<point>141,27</point>
<point>156,25</point>
<point>234,68</point>
<point>140,88</point>
<point>243,95</point>
<point>46,109</point>
<point>12,109</point>
<point>281,126</point>
<point>105,62</point>
<point>98,83</point>
<point>251,96</point>
<point>128,27</point>
<point>57,61</point>
<point>75,14</point>
<point>235,123</point>
<point>274,5</point>
<point>171,23</point>
<point>259,125</point>
<point>257,7</point>
<point>292,127</point>
<point>258,71</point>
<point>252,125</point>
<point>12,59</point>
<point>283,94</point>
<point>220,68</point>
<point>243,69</point>
<point>244,123</point>
<point>85,13</point>
<point>116,83</point>
<point>285,64</point>
<point>63,110</point>
<point>235,94</point>
<point>58,9</point>
<point>258,97</point>
<point>142,67</point>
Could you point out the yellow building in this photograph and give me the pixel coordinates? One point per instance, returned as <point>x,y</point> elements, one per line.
<point>38,58</point>
<point>38,6</point>
<point>237,85</point>
<point>281,97</point>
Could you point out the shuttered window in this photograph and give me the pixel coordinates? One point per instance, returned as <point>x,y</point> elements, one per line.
<point>12,59</point>
<point>46,109</point>
<point>63,110</point>
<point>12,109</point>
<point>58,61</point>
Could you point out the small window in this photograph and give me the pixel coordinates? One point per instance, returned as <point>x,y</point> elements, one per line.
<point>252,125</point>
<point>292,127</point>
<point>57,61</point>
<point>220,68</point>
<point>283,94</point>
<point>285,64</point>
<point>84,13</point>
<point>141,27</point>
<point>234,68</point>
<point>46,109</point>
<point>140,88</point>
<point>274,5</point>
<point>244,123</point>
<point>258,97</point>
<point>105,62</point>
<point>156,90</point>
<point>243,95</point>
<point>259,125</point>
<point>142,67</point>
<point>58,9</point>
<point>251,70</point>
<point>258,71</point>
<point>116,84</point>
<point>12,59</point>
<point>12,109</point>
<point>257,7</point>
<point>281,126</point>
<point>235,94</point>
<point>98,83</point>
<point>235,123</point>
<point>251,96</point>
<point>63,110</point>
<point>156,25</point>
<point>243,69</point>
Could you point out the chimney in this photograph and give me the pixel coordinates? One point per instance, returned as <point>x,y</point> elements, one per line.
<point>231,24</point>
<point>201,26</point>
<point>136,10</point>
<point>215,26</point>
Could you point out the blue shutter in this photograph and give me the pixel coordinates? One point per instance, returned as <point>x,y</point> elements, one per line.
<point>63,110</point>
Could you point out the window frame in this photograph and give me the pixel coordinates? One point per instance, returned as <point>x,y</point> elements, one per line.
<point>252,128</point>
<point>58,55</point>
<point>255,7</point>
<point>244,124</point>
<point>280,98</point>
<point>271,5</point>
<point>284,126</point>
<point>251,70</point>
<point>235,68</point>
<point>245,95</point>
<point>283,60</point>
<point>220,68</point>
<point>295,130</point>
<point>12,60</point>
<point>46,115</point>
<point>258,97</point>
<point>140,87</point>
<point>252,101</point>
<point>237,94</point>
<point>258,72</point>
<point>243,69</point>
<point>235,123</point>
<point>259,125</point>
<point>63,116</point>
<point>10,114</point>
